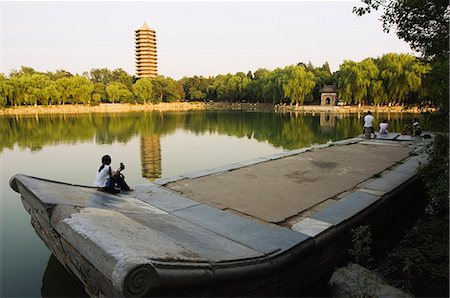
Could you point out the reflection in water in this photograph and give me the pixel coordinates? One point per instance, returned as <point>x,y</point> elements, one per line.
<point>327,120</point>
<point>151,157</point>
<point>58,282</point>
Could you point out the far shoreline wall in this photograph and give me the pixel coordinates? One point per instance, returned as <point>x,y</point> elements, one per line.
<point>190,106</point>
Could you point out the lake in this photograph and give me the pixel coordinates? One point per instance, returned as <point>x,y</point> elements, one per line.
<point>151,145</point>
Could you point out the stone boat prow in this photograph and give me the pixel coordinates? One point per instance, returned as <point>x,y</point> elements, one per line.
<point>219,232</point>
<point>152,240</point>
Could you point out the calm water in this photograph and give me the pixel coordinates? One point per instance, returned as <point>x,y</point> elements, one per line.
<point>151,145</point>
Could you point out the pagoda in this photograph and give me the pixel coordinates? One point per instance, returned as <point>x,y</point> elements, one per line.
<point>146,57</point>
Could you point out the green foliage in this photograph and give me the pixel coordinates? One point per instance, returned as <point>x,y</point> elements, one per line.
<point>424,24</point>
<point>402,74</point>
<point>322,76</point>
<point>99,94</point>
<point>196,88</point>
<point>419,264</point>
<point>165,90</point>
<point>436,86</point>
<point>102,75</point>
<point>118,92</point>
<point>60,73</point>
<point>38,89</point>
<point>299,85</point>
<point>143,89</point>
<point>80,89</point>
<point>393,78</point>
<point>64,87</point>
<point>436,174</point>
<point>361,250</point>
<point>6,90</point>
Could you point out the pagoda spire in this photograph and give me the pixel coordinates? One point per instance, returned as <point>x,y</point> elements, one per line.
<point>145,26</point>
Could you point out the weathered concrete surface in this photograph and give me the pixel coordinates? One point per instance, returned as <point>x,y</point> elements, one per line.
<point>276,190</point>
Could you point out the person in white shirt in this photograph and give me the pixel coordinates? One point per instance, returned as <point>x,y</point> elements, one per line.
<point>384,127</point>
<point>416,130</point>
<point>107,180</point>
<point>368,124</point>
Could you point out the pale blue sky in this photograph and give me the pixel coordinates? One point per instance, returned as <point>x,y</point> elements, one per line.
<point>194,38</point>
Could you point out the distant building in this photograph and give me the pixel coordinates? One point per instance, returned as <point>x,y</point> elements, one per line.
<point>146,57</point>
<point>328,95</point>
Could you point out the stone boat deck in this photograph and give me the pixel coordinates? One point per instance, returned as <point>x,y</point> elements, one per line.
<point>263,226</point>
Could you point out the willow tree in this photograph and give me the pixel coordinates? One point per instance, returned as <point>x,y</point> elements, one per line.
<point>299,84</point>
<point>143,89</point>
<point>63,86</point>
<point>6,90</point>
<point>81,89</point>
<point>38,89</point>
<point>358,81</point>
<point>345,78</point>
<point>402,75</point>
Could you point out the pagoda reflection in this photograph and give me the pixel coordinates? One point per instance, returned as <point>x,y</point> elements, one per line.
<point>151,156</point>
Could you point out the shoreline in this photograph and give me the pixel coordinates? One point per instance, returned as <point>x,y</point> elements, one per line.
<point>190,106</point>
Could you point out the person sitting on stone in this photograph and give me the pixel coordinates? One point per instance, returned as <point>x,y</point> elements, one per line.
<point>107,180</point>
<point>384,127</point>
<point>416,130</point>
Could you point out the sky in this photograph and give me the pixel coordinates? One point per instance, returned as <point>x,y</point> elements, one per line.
<point>193,38</point>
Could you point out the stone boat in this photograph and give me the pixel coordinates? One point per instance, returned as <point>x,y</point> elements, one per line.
<point>155,241</point>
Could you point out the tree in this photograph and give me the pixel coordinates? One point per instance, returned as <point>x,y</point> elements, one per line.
<point>143,89</point>
<point>196,94</point>
<point>121,76</point>
<point>118,92</point>
<point>102,75</point>
<point>6,90</point>
<point>99,94</point>
<point>354,80</point>
<point>60,73</point>
<point>164,89</point>
<point>402,75</point>
<point>299,84</point>
<point>391,78</point>
<point>424,24</point>
<point>195,88</point>
<point>323,76</point>
<point>63,85</point>
<point>18,95</point>
<point>436,85</point>
<point>170,92</point>
<point>39,89</point>
<point>81,89</point>
<point>255,90</point>
<point>24,70</point>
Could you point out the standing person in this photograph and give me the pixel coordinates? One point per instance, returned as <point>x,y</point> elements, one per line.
<point>108,180</point>
<point>384,127</point>
<point>368,125</point>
